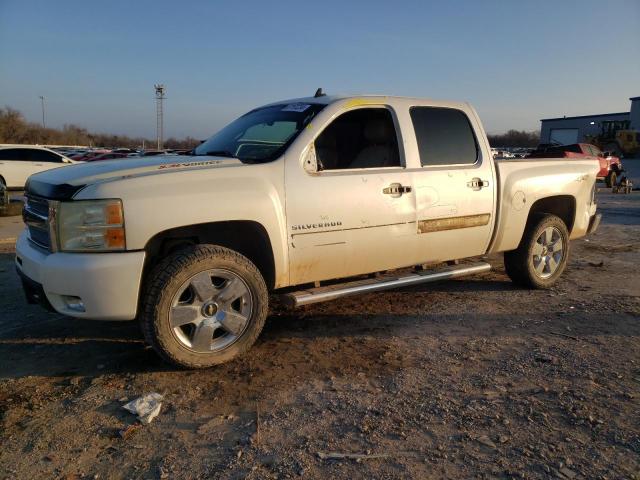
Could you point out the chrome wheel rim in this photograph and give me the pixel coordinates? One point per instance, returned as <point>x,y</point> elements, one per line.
<point>211,310</point>
<point>548,252</point>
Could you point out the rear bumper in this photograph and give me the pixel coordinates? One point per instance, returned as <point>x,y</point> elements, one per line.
<point>605,171</point>
<point>594,223</point>
<point>106,284</point>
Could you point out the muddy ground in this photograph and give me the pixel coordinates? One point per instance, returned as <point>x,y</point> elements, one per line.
<point>469,379</point>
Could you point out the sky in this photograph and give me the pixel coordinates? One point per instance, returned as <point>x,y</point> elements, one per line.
<point>516,61</point>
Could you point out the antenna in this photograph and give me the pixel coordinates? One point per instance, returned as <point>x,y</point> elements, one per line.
<point>159,120</point>
<point>319,93</point>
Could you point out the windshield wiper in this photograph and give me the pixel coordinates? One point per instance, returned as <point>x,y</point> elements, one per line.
<point>221,153</point>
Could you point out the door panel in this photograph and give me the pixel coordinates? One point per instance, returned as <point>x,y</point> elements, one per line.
<point>455,187</point>
<point>21,171</point>
<point>13,166</point>
<point>343,224</point>
<point>357,214</point>
<point>41,160</point>
<point>455,220</point>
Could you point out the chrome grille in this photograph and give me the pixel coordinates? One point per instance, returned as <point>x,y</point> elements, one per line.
<point>36,216</point>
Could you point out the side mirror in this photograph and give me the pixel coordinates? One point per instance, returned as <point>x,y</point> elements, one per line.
<point>310,163</point>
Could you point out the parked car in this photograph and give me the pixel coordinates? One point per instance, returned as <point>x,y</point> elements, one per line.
<point>84,157</point>
<point>610,166</point>
<point>107,156</point>
<point>501,153</point>
<point>17,163</point>
<point>289,195</point>
<point>151,153</point>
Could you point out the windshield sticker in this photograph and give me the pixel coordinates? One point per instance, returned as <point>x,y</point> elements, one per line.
<point>296,107</point>
<point>190,164</point>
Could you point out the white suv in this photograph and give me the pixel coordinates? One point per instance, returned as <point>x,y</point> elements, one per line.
<point>18,163</point>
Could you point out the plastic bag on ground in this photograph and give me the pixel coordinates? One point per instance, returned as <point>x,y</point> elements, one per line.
<point>146,407</point>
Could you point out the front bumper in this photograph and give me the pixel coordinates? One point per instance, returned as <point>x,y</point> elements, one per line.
<point>34,292</point>
<point>106,284</point>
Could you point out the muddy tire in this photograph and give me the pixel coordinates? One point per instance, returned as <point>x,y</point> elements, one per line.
<point>542,254</point>
<point>203,306</point>
<point>611,179</point>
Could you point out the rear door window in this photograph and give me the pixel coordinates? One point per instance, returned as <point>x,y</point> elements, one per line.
<point>444,136</point>
<point>44,156</point>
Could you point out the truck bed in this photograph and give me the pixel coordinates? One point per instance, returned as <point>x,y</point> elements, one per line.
<point>522,182</point>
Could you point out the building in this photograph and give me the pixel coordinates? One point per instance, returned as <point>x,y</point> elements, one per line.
<point>565,130</point>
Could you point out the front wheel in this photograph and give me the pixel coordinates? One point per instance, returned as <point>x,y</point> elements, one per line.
<point>204,306</point>
<point>542,254</point>
<point>612,179</point>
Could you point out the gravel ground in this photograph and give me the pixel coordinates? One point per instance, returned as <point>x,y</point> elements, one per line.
<point>473,378</point>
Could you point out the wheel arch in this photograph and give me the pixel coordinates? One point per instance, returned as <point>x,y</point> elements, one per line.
<point>563,206</point>
<point>246,237</point>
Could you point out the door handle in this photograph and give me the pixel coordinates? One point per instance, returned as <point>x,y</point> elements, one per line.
<point>396,190</point>
<point>477,183</point>
<point>38,164</point>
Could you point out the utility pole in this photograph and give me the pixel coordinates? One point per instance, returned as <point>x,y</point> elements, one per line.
<point>42,101</point>
<point>159,120</point>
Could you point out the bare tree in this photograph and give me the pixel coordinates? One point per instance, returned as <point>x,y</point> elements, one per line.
<point>515,138</point>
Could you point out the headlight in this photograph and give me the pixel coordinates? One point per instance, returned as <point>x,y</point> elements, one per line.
<point>90,226</point>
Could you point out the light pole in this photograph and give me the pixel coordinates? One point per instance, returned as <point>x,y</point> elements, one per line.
<point>42,100</point>
<point>159,120</point>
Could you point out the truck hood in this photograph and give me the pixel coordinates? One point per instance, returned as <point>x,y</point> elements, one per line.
<point>62,183</point>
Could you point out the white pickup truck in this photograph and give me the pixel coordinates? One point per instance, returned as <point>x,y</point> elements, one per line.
<point>305,198</point>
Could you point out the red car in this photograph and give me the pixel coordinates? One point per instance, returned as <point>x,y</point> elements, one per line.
<point>610,166</point>
<point>107,156</point>
<point>85,157</point>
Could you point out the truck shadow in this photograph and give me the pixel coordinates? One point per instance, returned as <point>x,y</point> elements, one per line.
<point>68,347</point>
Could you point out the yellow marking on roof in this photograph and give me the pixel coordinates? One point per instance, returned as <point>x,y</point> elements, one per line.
<point>356,102</point>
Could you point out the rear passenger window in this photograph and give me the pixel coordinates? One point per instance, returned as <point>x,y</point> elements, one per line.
<point>444,136</point>
<point>44,156</point>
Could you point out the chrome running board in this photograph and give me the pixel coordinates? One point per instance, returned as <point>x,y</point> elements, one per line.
<point>331,292</point>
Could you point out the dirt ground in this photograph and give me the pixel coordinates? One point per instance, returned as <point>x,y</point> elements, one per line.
<point>473,378</point>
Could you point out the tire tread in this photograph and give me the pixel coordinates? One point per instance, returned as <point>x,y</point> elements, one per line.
<point>168,269</point>
<point>516,262</point>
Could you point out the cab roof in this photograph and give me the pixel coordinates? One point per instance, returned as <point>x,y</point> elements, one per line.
<point>329,99</point>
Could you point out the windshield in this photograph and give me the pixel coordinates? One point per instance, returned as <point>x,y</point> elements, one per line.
<point>262,134</point>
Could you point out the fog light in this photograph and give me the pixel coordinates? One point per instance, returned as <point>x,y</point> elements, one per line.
<point>73,303</point>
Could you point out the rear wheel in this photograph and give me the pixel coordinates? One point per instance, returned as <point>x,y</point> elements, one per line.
<point>204,305</point>
<point>542,254</point>
<point>611,180</point>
